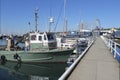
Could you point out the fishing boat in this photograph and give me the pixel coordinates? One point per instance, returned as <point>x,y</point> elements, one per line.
<point>40,47</point>
<point>43,48</point>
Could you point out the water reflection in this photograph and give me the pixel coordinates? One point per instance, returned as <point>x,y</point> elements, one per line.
<point>15,71</point>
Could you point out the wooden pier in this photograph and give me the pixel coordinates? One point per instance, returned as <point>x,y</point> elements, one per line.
<point>97,64</point>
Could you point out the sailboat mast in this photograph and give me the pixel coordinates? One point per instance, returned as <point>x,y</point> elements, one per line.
<point>82,28</point>
<point>66,25</point>
<point>36,19</point>
<point>65,19</point>
<point>64,9</point>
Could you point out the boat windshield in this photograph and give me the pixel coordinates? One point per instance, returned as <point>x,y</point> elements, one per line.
<point>50,36</point>
<point>40,38</point>
<point>33,37</point>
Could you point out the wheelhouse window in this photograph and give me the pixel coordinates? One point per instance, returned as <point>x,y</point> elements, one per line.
<point>33,37</point>
<point>40,38</point>
<point>45,37</point>
<point>50,36</point>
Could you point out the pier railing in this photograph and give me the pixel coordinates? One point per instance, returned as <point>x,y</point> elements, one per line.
<point>71,68</point>
<point>113,46</point>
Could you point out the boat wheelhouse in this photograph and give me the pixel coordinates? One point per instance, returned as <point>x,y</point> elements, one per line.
<point>42,41</point>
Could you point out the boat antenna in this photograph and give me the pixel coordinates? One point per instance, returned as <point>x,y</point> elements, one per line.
<point>36,19</point>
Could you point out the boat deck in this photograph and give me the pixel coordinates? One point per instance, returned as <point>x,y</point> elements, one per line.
<point>97,64</point>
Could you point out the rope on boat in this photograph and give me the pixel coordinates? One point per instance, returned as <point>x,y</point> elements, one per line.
<point>17,57</point>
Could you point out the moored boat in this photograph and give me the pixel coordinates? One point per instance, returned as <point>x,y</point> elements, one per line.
<point>42,48</point>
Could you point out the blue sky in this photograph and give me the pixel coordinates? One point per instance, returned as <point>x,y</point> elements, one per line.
<point>15,14</point>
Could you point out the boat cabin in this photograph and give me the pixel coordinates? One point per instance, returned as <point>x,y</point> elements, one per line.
<point>42,41</point>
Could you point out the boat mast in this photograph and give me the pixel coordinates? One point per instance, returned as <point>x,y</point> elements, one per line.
<point>66,25</point>
<point>65,18</point>
<point>51,20</point>
<point>36,19</point>
<point>82,28</point>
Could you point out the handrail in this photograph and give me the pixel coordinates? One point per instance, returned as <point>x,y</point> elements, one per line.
<point>113,47</point>
<point>69,70</point>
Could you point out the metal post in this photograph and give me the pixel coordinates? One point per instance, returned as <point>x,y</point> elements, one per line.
<point>77,53</point>
<point>111,45</point>
<point>36,19</point>
<point>115,49</point>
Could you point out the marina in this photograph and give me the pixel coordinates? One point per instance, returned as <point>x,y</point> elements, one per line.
<point>47,71</point>
<point>35,55</point>
<point>87,56</point>
<point>59,40</point>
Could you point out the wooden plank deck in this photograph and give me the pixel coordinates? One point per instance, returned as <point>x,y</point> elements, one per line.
<point>97,64</point>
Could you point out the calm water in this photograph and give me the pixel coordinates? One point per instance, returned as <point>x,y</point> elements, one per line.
<point>14,71</point>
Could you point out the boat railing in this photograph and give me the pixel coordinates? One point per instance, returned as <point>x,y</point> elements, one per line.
<point>70,69</point>
<point>113,46</point>
<point>48,49</point>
